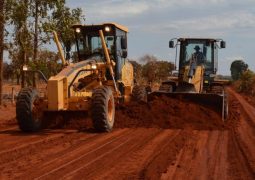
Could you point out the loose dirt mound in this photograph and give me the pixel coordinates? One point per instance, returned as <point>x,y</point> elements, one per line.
<point>67,120</point>
<point>165,112</point>
<point>162,112</point>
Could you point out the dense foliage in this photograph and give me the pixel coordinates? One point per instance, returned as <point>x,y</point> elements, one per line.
<point>151,69</point>
<point>237,68</point>
<point>243,78</point>
<point>29,29</point>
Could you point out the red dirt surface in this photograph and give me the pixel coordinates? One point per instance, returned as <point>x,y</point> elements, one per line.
<point>165,139</point>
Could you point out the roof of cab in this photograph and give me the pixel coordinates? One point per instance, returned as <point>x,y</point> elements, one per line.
<point>210,39</point>
<point>121,27</point>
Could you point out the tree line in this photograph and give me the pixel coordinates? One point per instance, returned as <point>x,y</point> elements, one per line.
<point>150,69</point>
<point>243,77</point>
<point>27,27</point>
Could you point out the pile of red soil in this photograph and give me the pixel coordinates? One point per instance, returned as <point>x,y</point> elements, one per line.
<point>162,112</point>
<point>67,120</point>
<point>165,112</point>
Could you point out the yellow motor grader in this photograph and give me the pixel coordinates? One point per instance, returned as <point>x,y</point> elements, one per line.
<point>101,78</point>
<point>196,79</point>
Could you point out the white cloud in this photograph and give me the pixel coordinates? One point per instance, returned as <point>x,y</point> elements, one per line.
<point>213,25</point>
<point>232,58</point>
<point>130,8</point>
<point>113,9</point>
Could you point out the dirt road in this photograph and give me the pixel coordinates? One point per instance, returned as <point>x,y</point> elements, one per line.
<point>178,151</point>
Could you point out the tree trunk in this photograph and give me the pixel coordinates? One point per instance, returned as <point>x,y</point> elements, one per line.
<point>1,47</point>
<point>36,31</point>
<point>23,73</point>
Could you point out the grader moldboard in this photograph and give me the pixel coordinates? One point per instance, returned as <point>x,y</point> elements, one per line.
<point>101,78</point>
<point>197,80</point>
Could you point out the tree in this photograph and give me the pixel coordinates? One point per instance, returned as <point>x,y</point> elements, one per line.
<point>164,69</point>
<point>62,20</point>
<point>2,22</point>
<point>29,19</point>
<point>247,80</point>
<point>38,10</point>
<point>47,63</point>
<point>7,71</point>
<point>21,46</point>
<point>155,69</point>
<point>137,70</point>
<point>237,68</point>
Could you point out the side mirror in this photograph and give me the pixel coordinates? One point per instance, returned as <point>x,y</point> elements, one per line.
<point>123,43</point>
<point>171,44</point>
<point>124,54</point>
<point>222,44</point>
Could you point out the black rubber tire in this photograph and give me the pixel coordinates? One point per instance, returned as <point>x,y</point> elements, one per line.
<point>24,110</point>
<point>103,109</point>
<point>139,93</point>
<point>166,88</point>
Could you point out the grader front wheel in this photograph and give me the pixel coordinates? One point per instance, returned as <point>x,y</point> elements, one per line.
<point>29,110</point>
<point>103,109</point>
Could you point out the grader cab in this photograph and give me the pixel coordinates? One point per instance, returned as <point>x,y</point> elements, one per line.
<point>101,77</point>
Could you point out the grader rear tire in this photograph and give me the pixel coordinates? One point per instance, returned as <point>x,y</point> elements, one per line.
<point>103,109</point>
<point>28,111</point>
<point>139,93</point>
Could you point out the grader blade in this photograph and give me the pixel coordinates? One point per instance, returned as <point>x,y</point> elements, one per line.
<point>212,101</point>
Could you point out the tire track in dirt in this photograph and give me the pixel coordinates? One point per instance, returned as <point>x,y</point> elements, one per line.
<point>217,154</point>
<point>246,107</point>
<point>164,157</point>
<point>201,157</point>
<point>132,165</point>
<point>241,147</point>
<point>239,162</point>
<point>55,160</point>
<point>46,154</point>
<point>113,149</point>
<point>34,144</point>
<point>15,139</point>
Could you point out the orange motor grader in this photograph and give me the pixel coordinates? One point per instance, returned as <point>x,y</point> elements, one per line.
<point>101,78</point>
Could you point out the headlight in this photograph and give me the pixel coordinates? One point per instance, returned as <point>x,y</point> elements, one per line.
<point>107,29</point>
<point>78,30</point>
<point>93,66</point>
<point>25,68</point>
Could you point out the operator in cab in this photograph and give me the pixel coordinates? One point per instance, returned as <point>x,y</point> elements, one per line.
<point>197,58</point>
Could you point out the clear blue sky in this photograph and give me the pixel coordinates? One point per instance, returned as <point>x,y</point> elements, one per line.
<point>153,23</point>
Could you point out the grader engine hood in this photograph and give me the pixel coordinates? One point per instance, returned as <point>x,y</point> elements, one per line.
<point>59,89</point>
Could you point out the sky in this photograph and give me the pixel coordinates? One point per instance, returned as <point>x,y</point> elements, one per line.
<point>152,23</point>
